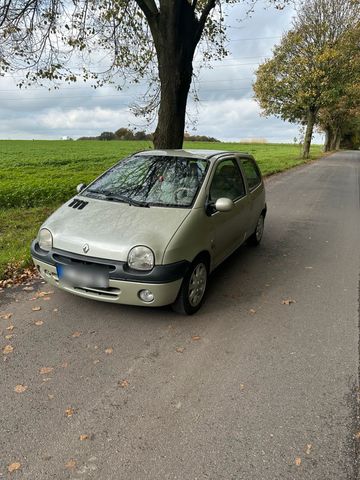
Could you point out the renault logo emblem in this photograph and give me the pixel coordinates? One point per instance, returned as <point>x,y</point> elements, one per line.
<point>86,248</point>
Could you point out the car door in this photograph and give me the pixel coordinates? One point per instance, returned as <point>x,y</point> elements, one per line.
<point>255,191</point>
<point>228,229</point>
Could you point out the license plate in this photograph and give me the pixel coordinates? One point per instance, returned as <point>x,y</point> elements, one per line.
<point>91,276</point>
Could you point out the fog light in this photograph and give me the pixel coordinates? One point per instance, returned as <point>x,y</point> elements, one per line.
<point>146,296</point>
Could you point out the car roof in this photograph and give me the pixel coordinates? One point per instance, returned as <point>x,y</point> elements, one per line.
<point>191,153</point>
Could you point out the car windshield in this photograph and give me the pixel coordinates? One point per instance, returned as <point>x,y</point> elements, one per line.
<point>145,180</point>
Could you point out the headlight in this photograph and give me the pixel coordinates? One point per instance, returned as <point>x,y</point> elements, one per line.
<point>141,258</point>
<point>45,240</point>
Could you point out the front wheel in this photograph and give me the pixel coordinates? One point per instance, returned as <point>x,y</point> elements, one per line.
<point>256,237</point>
<point>192,291</point>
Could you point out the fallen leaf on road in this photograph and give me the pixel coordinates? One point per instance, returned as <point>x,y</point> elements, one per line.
<point>8,337</point>
<point>195,338</point>
<point>36,309</point>
<point>5,316</point>
<point>252,311</point>
<point>71,464</point>
<point>14,466</point>
<point>83,437</point>
<point>43,294</point>
<point>298,461</point>
<point>10,328</point>
<point>76,334</point>
<point>288,301</point>
<point>51,397</point>
<point>123,384</point>
<point>45,370</point>
<point>180,349</point>
<point>308,448</point>
<point>108,350</point>
<point>242,386</point>
<point>8,349</point>
<point>96,361</point>
<point>69,412</point>
<point>357,435</point>
<point>38,323</point>
<point>20,388</point>
<point>28,289</point>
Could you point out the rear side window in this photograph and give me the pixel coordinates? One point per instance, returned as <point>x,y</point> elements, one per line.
<point>252,173</point>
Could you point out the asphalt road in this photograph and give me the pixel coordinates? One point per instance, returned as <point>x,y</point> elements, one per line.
<point>258,389</point>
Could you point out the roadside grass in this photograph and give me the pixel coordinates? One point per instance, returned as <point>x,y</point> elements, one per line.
<point>37,176</point>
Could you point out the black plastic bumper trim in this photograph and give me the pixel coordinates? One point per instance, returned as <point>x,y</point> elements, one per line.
<point>117,270</point>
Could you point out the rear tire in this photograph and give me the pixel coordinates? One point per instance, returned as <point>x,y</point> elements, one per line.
<point>193,287</point>
<point>256,237</point>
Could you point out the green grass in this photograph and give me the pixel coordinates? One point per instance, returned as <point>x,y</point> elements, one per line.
<point>37,176</point>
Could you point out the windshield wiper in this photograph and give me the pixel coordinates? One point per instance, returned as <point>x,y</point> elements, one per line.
<point>124,199</point>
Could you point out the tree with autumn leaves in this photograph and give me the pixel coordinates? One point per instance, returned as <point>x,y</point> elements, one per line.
<point>313,75</point>
<point>113,41</point>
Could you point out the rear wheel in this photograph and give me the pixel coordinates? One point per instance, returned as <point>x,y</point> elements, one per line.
<point>192,291</point>
<point>256,237</point>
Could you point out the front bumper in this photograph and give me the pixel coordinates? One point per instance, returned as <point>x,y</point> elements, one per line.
<point>163,281</point>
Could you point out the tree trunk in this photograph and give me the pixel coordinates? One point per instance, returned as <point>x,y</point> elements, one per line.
<point>175,79</point>
<point>335,139</point>
<point>338,140</point>
<point>311,118</point>
<point>327,144</point>
<point>176,34</point>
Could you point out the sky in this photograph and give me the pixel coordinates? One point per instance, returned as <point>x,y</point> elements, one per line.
<point>226,110</point>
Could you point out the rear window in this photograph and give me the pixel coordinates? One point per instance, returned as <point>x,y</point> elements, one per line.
<point>252,172</point>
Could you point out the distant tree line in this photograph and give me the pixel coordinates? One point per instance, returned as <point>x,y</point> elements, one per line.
<point>128,134</point>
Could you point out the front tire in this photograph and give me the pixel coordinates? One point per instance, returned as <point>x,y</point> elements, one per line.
<point>192,291</point>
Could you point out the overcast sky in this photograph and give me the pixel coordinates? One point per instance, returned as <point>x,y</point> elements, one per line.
<point>226,109</point>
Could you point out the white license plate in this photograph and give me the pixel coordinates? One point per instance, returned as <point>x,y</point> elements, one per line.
<point>91,276</point>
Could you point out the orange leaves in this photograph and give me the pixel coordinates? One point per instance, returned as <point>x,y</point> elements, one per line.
<point>69,412</point>
<point>5,316</point>
<point>45,370</point>
<point>14,466</point>
<point>20,388</point>
<point>195,338</point>
<point>38,323</point>
<point>71,464</point>
<point>288,301</point>
<point>298,461</point>
<point>8,349</point>
<point>109,350</point>
<point>36,309</point>
<point>180,349</point>
<point>83,437</point>
<point>76,334</point>
<point>124,383</point>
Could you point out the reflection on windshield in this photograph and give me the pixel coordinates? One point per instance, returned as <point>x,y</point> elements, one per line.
<point>152,180</point>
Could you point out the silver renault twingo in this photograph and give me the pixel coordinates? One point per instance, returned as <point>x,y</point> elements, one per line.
<point>151,228</point>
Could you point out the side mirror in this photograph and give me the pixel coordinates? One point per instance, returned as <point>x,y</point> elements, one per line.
<point>224,204</point>
<point>80,187</point>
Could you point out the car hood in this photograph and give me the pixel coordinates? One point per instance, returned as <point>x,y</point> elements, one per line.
<point>111,229</point>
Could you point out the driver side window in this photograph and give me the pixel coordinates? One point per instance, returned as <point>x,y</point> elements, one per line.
<point>227,181</point>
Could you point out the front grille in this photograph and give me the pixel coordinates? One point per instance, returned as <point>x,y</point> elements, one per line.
<point>67,260</point>
<point>101,292</point>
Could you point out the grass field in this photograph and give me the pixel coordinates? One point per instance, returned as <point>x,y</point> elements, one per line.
<point>37,176</point>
